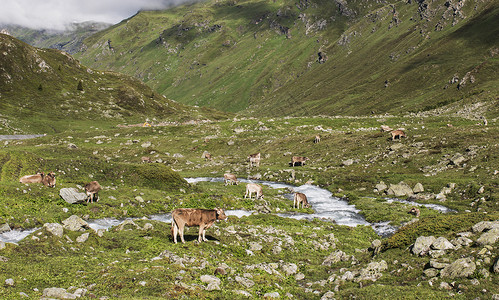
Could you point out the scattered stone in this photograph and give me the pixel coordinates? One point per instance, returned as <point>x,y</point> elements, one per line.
<point>445,285</point>
<point>72,146</point>
<point>2,245</point>
<point>212,281</point>
<point>126,223</point>
<point>437,265</point>
<point>139,199</point>
<point>299,276</point>
<point>4,228</point>
<point>422,245</point>
<point>347,162</point>
<point>9,282</point>
<point>75,223</point>
<point>418,188</point>
<point>457,159</point>
<point>376,246</point>
<point>431,272</point>
<point>396,147</point>
<point>462,267</point>
<point>335,257</point>
<point>495,268</point>
<point>72,196</point>
<point>373,271</point>
<point>254,246</point>
<point>462,241</point>
<point>329,295</point>
<point>148,227</point>
<point>83,238</point>
<point>60,293</point>
<point>54,228</point>
<point>146,145</point>
<point>381,187</point>
<point>243,293</point>
<point>442,243</point>
<point>290,268</point>
<point>272,295</point>
<point>248,283</point>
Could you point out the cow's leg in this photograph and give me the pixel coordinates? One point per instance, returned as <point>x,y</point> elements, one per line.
<point>201,233</point>
<point>175,232</point>
<point>181,230</point>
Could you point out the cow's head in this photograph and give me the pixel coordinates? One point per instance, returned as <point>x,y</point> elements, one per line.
<point>49,179</point>
<point>220,214</point>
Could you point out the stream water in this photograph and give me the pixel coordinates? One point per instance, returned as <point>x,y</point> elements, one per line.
<point>324,204</point>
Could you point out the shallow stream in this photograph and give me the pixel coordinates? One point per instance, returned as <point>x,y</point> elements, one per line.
<point>324,204</point>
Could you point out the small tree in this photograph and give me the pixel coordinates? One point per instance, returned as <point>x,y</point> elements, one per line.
<point>80,86</point>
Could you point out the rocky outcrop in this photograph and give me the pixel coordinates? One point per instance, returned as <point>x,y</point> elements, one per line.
<point>400,189</point>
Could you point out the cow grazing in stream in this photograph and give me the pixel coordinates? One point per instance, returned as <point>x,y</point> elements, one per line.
<point>254,188</point>
<point>230,179</point>
<point>300,198</point>
<point>254,159</point>
<point>92,190</point>
<point>189,217</point>
<point>298,159</point>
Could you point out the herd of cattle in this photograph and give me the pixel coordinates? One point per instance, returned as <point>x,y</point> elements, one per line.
<point>204,218</point>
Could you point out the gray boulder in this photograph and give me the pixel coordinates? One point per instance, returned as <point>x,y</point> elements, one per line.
<point>418,188</point>
<point>272,295</point>
<point>329,295</point>
<point>400,189</point>
<point>442,243</point>
<point>495,268</point>
<point>72,196</point>
<point>481,226</point>
<point>58,293</point>
<point>4,228</point>
<point>422,245</point>
<point>54,228</point>
<point>462,241</point>
<point>462,267</point>
<point>83,238</point>
<point>212,281</point>
<point>75,223</point>
<point>381,187</point>
<point>457,160</point>
<point>489,238</point>
<point>347,162</point>
<point>254,246</point>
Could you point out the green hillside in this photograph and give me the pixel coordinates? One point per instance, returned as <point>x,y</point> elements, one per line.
<point>46,91</point>
<point>263,57</point>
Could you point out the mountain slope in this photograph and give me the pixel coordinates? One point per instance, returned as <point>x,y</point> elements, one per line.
<point>46,90</point>
<point>260,56</point>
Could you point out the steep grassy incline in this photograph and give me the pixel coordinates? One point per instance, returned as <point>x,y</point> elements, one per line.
<point>264,57</point>
<point>45,90</point>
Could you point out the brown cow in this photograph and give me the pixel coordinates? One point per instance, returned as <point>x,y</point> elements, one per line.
<point>254,188</point>
<point>146,159</point>
<point>92,189</point>
<point>398,134</point>
<point>300,198</point>
<point>206,155</point>
<point>254,159</point>
<point>203,218</point>
<point>317,139</point>
<point>37,178</point>
<point>230,179</point>
<point>298,159</point>
<point>414,211</point>
<point>49,179</point>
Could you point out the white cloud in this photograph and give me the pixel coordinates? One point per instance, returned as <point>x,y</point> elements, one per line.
<point>56,14</point>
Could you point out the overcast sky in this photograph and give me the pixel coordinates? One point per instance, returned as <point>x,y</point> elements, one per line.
<point>55,14</point>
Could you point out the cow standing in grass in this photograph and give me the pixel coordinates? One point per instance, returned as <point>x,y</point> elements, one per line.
<point>298,159</point>
<point>203,218</point>
<point>92,190</point>
<point>398,134</point>
<point>254,159</point>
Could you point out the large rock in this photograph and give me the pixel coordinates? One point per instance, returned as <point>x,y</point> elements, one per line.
<point>381,187</point>
<point>72,196</point>
<point>212,281</point>
<point>442,243</point>
<point>481,226</point>
<point>489,238</point>
<point>60,293</point>
<point>400,189</point>
<point>75,223</point>
<point>418,188</point>
<point>457,159</point>
<point>462,267</point>
<point>496,266</point>
<point>422,245</point>
<point>4,228</point>
<point>290,268</point>
<point>54,228</point>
